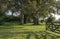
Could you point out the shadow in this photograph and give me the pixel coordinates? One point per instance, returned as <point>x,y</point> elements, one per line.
<point>37,35</point>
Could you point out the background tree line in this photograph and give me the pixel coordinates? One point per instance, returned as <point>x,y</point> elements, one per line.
<point>29,10</point>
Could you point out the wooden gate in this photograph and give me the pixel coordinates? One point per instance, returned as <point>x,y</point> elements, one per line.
<point>53,26</point>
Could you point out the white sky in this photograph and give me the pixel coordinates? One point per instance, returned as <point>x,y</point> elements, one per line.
<point>57,0</point>
<point>56,16</point>
<point>16,14</point>
<point>9,12</point>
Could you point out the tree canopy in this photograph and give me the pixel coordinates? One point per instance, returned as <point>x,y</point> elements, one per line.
<point>29,9</point>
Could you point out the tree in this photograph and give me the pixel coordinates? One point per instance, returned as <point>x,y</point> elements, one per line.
<point>37,8</point>
<point>29,9</point>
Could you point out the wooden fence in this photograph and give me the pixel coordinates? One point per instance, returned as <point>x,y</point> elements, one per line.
<point>53,26</point>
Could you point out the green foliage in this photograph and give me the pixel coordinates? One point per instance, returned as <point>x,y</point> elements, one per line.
<point>37,7</point>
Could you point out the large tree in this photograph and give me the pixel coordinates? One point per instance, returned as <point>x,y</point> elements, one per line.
<point>29,9</point>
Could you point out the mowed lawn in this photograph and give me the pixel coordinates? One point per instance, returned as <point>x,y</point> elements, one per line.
<point>26,31</point>
<point>21,31</point>
<point>24,28</point>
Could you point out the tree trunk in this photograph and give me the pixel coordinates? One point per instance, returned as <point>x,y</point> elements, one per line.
<point>29,20</point>
<point>22,19</point>
<point>35,19</point>
<point>25,19</point>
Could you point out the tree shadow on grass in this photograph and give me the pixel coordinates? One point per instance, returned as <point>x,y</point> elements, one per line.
<point>37,35</point>
<point>18,24</point>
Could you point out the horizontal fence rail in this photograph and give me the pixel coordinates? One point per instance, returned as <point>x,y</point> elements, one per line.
<point>53,26</point>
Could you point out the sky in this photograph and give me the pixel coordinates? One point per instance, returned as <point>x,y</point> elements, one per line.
<point>57,0</point>
<point>9,12</point>
<point>57,17</point>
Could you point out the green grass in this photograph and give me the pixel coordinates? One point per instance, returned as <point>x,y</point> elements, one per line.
<point>26,27</point>
<point>52,35</point>
<point>20,31</point>
<point>26,31</point>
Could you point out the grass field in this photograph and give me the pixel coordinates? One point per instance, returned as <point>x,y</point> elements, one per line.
<point>27,31</point>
